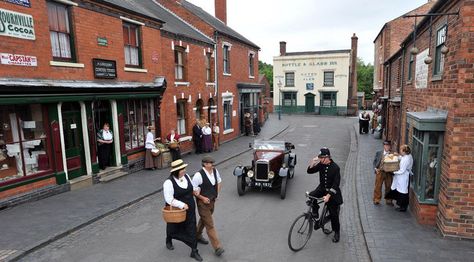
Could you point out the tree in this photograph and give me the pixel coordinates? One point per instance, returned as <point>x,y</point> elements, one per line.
<point>365,78</point>
<point>267,70</point>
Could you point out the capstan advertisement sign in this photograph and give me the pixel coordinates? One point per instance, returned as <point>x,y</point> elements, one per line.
<point>19,60</point>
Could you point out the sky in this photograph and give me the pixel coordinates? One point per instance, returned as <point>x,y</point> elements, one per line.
<point>311,25</point>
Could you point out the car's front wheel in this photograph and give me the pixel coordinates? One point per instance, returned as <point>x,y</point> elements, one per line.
<point>284,181</point>
<point>241,184</point>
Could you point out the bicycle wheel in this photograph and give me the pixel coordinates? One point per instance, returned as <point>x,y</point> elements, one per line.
<point>323,222</point>
<point>300,232</point>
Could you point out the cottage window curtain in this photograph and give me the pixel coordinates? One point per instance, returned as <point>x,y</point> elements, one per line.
<point>59,31</point>
<point>131,45</point>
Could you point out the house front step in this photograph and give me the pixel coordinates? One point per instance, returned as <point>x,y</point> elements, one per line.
<point>81,182</point>
<point>112,176</point>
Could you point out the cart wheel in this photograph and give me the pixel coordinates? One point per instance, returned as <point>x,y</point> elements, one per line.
<point>284,181</point>
<point>241,184</point>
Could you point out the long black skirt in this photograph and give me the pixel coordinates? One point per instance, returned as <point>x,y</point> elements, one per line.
<point>185,231</point>
<point>402,199</point>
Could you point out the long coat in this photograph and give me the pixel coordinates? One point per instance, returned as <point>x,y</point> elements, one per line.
<point>329,180</point>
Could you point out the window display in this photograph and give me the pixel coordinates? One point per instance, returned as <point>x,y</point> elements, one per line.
<point>138,115</point>
<point>23,142</point>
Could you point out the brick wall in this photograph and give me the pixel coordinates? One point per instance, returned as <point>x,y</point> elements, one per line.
<point>28,188</point>
<point>454,93</point>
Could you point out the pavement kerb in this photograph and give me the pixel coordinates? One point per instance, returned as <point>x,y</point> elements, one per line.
<point>356,151</point>
<point>40,244</point>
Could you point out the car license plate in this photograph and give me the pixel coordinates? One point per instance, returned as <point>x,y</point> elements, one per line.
<point>263,184</point>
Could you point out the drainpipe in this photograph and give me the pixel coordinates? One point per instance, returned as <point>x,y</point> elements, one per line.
<point>402,81</point>
<point>61,136</point>
<point>216,81</point>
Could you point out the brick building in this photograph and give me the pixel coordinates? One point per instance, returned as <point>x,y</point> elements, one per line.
<point>431,80</point>
<point>266,98</point>
<point>63,75</point>
<point>236,65</point>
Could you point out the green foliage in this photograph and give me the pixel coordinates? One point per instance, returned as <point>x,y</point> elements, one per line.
<point>365,78</point>
<point>267,70</point>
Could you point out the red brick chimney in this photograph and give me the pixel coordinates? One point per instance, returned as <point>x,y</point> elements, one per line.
<point>221,10</point>
<point>352,110</point>
<point>282,48</point>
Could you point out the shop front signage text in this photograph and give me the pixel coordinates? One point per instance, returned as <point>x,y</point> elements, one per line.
<point>19,60</point>
<point>299,64</point>
<point>17,25</point>
<point>104,68</point>
<point>25,3</point>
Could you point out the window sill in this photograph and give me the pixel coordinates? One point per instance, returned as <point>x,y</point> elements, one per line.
<point>228,131</point>
<point>185,138</point>
<point>436,78</point>
<point>252,77</point>
<point>66,2</point>
<point>226,74</point>
<point>66,64</point>
<point>210,84</point>
<point>136,70</point>
<point>408,82</point>
<point>181,84</point>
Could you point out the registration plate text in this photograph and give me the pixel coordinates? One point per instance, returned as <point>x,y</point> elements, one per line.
<point>263,184</point>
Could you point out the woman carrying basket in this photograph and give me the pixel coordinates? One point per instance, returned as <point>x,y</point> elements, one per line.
<point>173,140</point>
<point>178,191</point>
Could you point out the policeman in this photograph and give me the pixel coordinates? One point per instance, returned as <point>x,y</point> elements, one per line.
<point>328,188</point>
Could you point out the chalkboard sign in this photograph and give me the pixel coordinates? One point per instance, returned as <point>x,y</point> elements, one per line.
<point>104,68</point>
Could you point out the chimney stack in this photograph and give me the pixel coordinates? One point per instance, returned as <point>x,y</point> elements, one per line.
<point>282,48</point>
<point>221,10</point>
<point>353,77</point>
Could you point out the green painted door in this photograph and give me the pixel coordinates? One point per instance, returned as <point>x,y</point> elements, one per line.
<point>328,104</point>
<point>309,103</point>
<point>73,142</point>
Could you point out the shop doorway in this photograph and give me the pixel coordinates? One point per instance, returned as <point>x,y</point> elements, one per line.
<point>309,103</point>
<point>103,114</point>
<point>73,142</point>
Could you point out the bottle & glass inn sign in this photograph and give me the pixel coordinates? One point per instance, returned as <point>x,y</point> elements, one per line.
<point>14,24</point>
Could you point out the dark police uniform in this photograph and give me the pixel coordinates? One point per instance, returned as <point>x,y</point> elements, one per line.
<point>329,180</point>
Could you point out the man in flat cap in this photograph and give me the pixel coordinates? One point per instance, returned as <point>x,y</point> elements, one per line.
<point>328,188</point>
<point>209,181</point>
<point>382,177</point>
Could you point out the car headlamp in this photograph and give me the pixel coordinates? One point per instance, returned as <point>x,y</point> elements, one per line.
<point>271,174</point>
<point>250,173</point>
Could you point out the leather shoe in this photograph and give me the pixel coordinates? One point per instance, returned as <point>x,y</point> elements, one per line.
<point>335,239</point>
<point>316,224</point>
<point>401,209</point>
<point>376,203</point>
<point>219,251</point>
<point>195,255</point>
<point>169,246</point>
<point>203,241</point>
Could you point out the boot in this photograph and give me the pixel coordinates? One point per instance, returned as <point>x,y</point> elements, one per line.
<point>335,239</point>
<point>195,255</point>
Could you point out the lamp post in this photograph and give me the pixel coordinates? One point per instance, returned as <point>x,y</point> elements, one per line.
<point>279,99</point>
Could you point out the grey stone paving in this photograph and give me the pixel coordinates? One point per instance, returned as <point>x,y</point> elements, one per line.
<point>396,236</point>
<point>32,225</point>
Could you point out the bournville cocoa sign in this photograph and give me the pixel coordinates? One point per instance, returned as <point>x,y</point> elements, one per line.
<point>16,24</point>
<point>104,68</point>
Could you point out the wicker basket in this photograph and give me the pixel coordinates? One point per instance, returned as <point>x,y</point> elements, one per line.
<point>173,145</point>
<point>173,214</point>
<point>391,163</point>
<point>155,152</point>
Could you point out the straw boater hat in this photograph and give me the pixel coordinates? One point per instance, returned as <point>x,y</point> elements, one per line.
<point>177,165</point>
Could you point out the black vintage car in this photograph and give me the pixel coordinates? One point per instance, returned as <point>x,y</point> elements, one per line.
<point>272,165</point>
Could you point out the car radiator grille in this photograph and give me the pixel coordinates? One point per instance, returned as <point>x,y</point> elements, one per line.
<point>262,171</point>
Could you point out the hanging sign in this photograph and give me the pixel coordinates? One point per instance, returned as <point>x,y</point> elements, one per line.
<point>25,3</point>
<point>14,24</point>
<point>19,60</point>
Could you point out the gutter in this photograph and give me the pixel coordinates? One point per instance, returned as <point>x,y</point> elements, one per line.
<point>216,80</point>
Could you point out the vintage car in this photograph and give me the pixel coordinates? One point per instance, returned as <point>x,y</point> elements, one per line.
<point>272,165</point>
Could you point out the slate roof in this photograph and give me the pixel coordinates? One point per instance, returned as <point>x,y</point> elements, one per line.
<point>172,23</point>
<point>217,24</point>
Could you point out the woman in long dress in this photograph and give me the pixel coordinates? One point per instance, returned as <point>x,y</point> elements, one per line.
<point>105,139</point>
<point>207,138</point>
<point>151,162</point>
<point>178,191</point>
<point>401,178</point>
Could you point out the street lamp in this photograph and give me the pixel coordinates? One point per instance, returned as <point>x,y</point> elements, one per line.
<point>279,99</point>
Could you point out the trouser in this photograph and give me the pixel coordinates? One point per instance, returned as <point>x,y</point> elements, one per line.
<point>333,215</point>
<point>206,221</point>
<point>382,177</point>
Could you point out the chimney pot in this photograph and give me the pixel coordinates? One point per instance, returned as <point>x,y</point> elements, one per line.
<point>282,48</point>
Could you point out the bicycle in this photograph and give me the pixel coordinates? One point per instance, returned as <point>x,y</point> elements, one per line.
<point>302,228</point>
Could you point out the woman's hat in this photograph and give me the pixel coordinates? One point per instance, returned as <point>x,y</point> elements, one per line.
<point>177,165</point>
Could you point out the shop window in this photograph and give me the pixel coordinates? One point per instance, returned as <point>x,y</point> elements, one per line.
<point>131,42</point>
<point>328,78</point>
<point>439,57</point>
<point>227,115</point>
<point>289,79</point>
<point>209,77</point>
<point>60,32</point>
<point>181,116</point>
<point>251,64</point>
<point>23,142</point>
<point>427,147</point>
<point>289,98</point>
<point>179,63</point>
<point>226,59</point>
<point>138,116</point>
